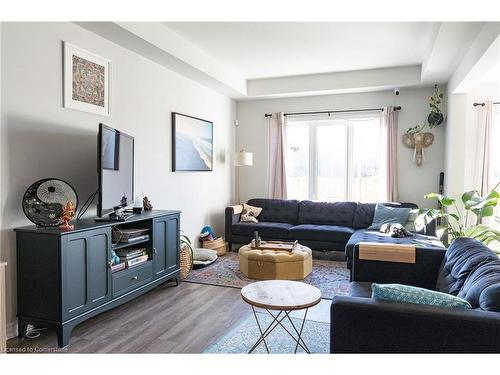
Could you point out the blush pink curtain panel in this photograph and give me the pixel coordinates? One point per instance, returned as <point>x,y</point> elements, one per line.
<point>277,144</point>
<point>482,177</point>
<point>390,154</point>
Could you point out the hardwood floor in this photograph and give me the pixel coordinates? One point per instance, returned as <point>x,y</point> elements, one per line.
<point>169,319</point>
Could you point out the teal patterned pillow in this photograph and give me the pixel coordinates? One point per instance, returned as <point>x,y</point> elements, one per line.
<point>412,294</point>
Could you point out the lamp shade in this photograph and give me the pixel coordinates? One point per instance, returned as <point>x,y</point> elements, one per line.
<point>243,158</point>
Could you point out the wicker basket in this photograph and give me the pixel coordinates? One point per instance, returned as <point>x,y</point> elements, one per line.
<point>186,261</point>
<point>218,245</point>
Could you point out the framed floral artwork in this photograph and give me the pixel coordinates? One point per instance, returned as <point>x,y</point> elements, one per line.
<point>86,80</point>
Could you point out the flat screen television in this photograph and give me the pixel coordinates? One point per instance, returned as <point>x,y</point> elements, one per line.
<point>116,170</point>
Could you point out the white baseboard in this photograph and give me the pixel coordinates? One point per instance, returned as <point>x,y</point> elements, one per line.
<point>12,329</point>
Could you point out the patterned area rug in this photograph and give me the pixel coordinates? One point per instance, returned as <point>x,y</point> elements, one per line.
<point>243,336</point>
<point>331,277</point>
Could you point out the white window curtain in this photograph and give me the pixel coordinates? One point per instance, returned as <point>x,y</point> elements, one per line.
<point>389,142</point>
<point>482,175</point>
<point>277,143</point>
<point>494,174</point>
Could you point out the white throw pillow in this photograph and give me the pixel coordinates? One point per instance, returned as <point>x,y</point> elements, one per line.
<point>250,213</point>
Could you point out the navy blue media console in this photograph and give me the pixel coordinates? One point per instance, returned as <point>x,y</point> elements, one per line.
<point>64,277</point>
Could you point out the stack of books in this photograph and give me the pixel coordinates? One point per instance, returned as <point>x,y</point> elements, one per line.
<point>118,267</point>
<point>132,257</point>
<point>129,235</point>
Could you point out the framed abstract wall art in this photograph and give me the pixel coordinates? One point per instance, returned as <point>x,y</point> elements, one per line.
<point>192,143</point>
<point>86,80</point>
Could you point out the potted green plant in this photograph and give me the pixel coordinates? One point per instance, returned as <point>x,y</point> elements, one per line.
<point>456,223</point>
<point>436,117</point>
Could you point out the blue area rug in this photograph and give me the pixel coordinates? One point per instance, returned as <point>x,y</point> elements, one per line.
<point>243,336</point>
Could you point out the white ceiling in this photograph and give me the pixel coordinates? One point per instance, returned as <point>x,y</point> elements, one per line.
<point>276,49</point>
<point>259,59</point>
<point>483,79</point>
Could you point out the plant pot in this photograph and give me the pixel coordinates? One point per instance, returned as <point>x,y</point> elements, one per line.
<point>435,118</point>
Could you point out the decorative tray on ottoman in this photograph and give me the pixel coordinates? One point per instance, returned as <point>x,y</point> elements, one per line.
<point>274,245</point>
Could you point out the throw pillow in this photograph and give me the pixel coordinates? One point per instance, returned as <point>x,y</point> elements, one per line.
<point>412,224</point>
<point>250,213</point>
<point>420,296</point>
<point>388,215</point>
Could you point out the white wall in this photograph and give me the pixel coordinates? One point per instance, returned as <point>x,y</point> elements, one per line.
<point>461,79</point>
<point>414,181</point>
<point>1,131</point>
<point>460,144</point>
<point>474,80</point>
<point>40,138</point>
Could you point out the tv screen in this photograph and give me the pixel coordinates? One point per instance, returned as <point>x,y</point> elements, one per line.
<point>116,170</point>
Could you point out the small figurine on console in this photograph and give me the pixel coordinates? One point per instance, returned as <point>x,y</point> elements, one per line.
<point>146,204</point>
<point>68,214</point>
<point>123,201</point>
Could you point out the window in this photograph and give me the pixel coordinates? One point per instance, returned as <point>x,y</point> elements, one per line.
<point>334,158</point>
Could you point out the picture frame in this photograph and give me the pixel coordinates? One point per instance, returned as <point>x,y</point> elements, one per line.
<point>86,80</point>
<point>192,144</point>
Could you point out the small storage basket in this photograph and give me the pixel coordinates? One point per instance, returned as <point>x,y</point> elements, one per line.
<point>218,245</point>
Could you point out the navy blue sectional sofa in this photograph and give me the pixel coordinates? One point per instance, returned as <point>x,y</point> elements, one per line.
<point>321,226</point>
<point>468,269</point>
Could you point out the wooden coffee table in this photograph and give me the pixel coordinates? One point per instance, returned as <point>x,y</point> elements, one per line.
<point>284,297</point>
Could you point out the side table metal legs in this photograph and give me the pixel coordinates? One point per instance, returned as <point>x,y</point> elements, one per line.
<point>277,321</point>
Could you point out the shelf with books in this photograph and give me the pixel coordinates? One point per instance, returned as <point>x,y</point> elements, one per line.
<point>118,267</point>
<point>122,266</point>
<point>130,257</point>
<point>121,245</point>
<point>126,236</point>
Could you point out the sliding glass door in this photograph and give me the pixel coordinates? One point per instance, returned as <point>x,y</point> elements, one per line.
<point>297,161</point>
<point>368,184</point>
<point>331,159</point>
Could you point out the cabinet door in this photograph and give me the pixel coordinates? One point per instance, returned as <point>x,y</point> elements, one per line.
<point>86,276</point>
<point>173,245</point>
<point>166,245</point>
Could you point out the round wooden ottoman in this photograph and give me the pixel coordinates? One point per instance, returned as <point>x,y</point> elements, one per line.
<point>276,264</point>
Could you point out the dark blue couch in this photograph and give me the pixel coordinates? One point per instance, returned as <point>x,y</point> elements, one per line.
<point>468,269</point>
<point>321,226</point>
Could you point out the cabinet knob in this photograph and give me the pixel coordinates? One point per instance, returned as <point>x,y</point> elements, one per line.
<point>134,278</point>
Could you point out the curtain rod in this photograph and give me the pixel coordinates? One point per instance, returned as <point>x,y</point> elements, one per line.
<point>336,111</point>
<point>482,104</point>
